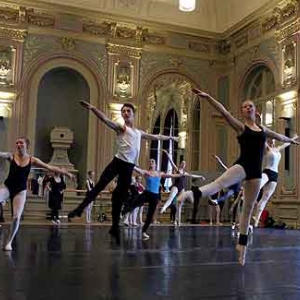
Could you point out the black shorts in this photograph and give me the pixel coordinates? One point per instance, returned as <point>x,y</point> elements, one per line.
<point>273,176</point>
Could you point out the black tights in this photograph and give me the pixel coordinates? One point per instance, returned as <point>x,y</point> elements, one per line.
<point>54,214</point>
<point>120,194</point>
<point>152,200</point>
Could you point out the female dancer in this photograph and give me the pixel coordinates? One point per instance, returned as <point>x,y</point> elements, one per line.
<point>151,192</point>
<point>252,138</point>
<point>90,183</point>
<point>15,184</point>
<point>180,182</point>
<point>56,186</point>
<point>269,175</point>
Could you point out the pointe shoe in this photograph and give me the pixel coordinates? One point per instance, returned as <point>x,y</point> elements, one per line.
<point>242,250</point>
<point>8,247</point>
<point>145,236</point>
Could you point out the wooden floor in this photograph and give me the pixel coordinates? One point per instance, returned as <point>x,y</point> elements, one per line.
<point>199,262</point>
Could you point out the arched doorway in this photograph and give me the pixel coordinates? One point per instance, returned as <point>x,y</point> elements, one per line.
<point>59,91</point>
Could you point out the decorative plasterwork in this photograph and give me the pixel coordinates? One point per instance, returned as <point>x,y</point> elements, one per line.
<point>40,19</point>
<point>124,50</point>
<point>280,15</point>
<point>9,15</point>
<point>68,44</point>
<point>288,31</point>
<point>104,29</point>
<point>14,34</point>
<point>199,47</point>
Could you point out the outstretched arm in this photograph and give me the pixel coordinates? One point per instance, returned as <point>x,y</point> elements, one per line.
<point>100,115</point>
<point>231,120</point>
<point>170,160</point>
<point>157,137</point>
<point>41,164</point>
<point>280,137</point>
<point>193,175</point>
<point>6,155</point>
<point>285,145</point>
<point>220,162</point>
<point>170,175</point>
<point>140,171</point>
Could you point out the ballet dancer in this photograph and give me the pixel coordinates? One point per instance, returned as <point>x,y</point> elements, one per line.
<point>15,185</point>
<point>180,182</point>
<point>269,175</point>
<point>89,184</point>
<point>251,138</point>
<point>151,192</point>
<point>128,141</point>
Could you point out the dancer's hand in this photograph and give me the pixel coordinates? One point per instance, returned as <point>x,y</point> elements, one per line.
<point>86,104</point>
<point>294,139</point>
<point>200,93</point>
<point>202,177</point>
<point>175,138</point>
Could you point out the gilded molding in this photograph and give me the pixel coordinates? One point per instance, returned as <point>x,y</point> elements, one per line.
<point>125,32</point>
<point>68,44</point>
<point>9,15</point>
<point>14,34</point>
<point>40,20</point>
<point>288,31</point>
<point>223,47</point>
<point>104,29</point>
<point>280,15</point>
<point>120,49</point>
<point>199,47</point>
<point>270,23</point>
<point>289,10</point>
<point>149,38</point>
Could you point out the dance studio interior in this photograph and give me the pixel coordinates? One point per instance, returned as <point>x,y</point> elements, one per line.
<point>83,82</point>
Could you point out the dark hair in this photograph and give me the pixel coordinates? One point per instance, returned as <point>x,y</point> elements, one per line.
<point>128,105</point>
<point>25,139</point>
<point>90,173</point>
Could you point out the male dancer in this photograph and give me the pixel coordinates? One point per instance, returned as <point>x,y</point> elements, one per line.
<point>128,141</point>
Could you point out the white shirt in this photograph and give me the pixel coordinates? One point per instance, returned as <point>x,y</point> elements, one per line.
<point>272,159</point>
<point>128,145</point>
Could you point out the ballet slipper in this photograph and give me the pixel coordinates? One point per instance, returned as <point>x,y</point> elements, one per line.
<point>241,254</point>
<point>8,247</point>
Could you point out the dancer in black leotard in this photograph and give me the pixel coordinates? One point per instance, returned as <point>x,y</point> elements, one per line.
<point>251,138</point>
<point>15,185</point>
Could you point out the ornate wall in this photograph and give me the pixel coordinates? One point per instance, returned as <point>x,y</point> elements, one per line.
<point>148,64</point>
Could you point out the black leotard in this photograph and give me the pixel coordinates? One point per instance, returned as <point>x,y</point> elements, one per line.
<point>252,145</point>
<point>180,182</point>
<point>16,181</point>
